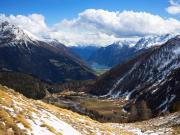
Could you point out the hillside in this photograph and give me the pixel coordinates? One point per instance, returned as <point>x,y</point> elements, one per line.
<point>22,116</point>
<point>19,115</point>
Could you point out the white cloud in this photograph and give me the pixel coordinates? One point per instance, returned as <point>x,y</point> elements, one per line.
<point>34,23</point>
<point>99,27</point>
<point>174,7</point>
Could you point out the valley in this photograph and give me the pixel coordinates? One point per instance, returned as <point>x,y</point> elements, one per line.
<point>100,109</point>
<point>100,71</point>
<point>126,87</point>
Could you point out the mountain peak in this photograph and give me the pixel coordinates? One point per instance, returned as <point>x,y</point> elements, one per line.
<point>122,43</point>
<point>12,35</point>
<point>149,41</point>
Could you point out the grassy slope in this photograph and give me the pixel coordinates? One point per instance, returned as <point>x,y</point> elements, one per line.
<point>21,115</point>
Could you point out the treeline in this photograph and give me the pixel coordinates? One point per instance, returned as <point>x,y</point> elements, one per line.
<point>28,85</point>
<point>74,85</point>
<point>139,111</point>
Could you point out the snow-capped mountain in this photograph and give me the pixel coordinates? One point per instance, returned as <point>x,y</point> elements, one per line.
<point>150,41</point>
<point>123,43</point>
<point>20,51</point>
<point>14,35</point>
<point>122,50</point>
<point>153,76</point>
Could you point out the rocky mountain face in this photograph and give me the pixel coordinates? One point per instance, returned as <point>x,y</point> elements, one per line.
<point>153,77</point>
<point>149,41</point>
<point>49,61</point>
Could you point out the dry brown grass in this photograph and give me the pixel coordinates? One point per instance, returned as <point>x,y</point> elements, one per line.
<point>103,110</point>
<point>50,128</point>
<point>23,120</point>
<point>9,127</point>
<point>5,99</point>
<point>81,123</point>
<point>4,116</point>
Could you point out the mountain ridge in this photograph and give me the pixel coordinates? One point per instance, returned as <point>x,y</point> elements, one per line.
<point>122,50</point>
<point>53,61</point>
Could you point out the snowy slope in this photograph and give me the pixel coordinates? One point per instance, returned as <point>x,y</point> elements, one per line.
<point>33,119</point>
<point>128,43</point>
<point>164,125</point>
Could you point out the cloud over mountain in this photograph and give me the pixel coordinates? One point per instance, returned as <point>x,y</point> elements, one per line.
<point>97,26</point>
<point>34,23</point>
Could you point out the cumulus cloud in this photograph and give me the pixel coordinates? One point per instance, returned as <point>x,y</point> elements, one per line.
<point>99,27</point>
<point>174,7</point>
<point>103,26</point>
<point>129,23</point>
<point>34,23</point>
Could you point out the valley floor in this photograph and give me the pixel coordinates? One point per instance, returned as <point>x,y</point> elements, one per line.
<point>20,115</point>
<point>100,109</point>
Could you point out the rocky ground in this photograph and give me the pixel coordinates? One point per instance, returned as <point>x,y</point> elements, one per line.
<point>164,125</point>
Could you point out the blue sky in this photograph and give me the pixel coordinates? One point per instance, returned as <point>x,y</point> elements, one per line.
<point>56,10</point>
<point>93,22</point>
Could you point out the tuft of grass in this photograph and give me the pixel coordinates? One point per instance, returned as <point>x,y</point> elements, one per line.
<point>23,120</point>
<point>4,116</point>
<point>9,127</point>
<point>5,99</point>
<point>51,129</point>
<point>2,128</point>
